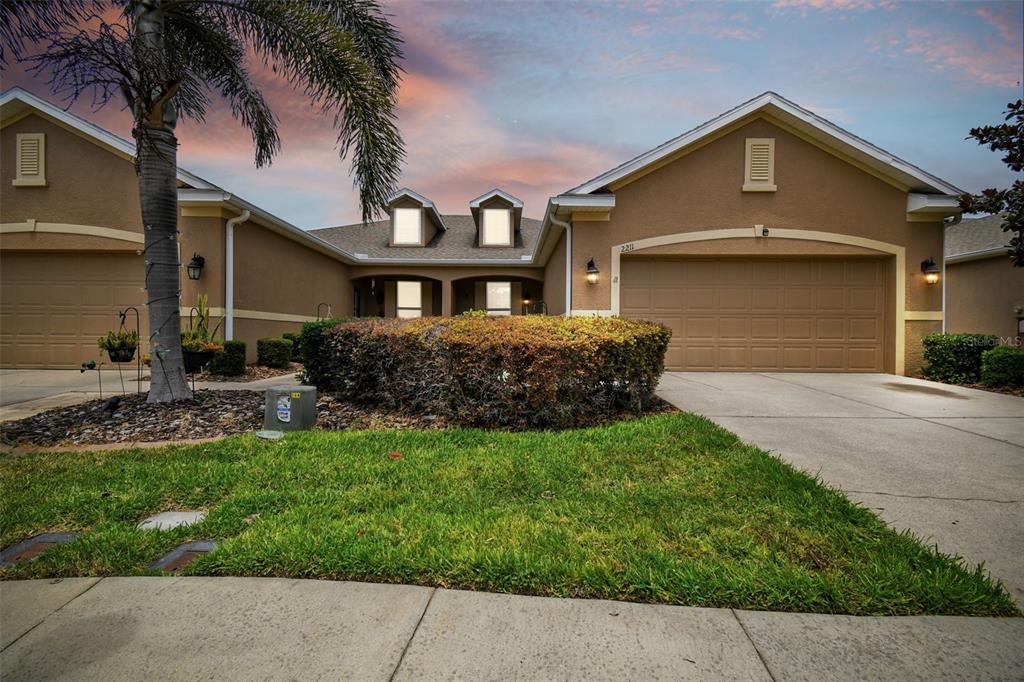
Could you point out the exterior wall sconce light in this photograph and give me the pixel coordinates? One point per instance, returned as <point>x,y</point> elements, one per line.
<point>195,266</point>
<point>930,270</point>
<point>592,272</point>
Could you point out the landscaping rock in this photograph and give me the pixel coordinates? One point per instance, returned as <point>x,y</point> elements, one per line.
<point>172,519</point>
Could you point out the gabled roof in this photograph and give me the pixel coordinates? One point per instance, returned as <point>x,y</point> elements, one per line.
<point>195,191</point>
<point>516,203</point>
<point>977,238</point>
<point>15,101</point>
<point>799,118</point>
<point>422,201</point>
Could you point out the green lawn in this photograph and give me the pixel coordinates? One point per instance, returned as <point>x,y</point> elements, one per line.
<point>668,508</point>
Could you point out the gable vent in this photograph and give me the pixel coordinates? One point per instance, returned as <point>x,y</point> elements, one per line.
<point>31,160</point>
<point>759,173</point>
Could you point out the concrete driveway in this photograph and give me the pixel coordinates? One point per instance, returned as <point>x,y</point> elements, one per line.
<point>943,461</point>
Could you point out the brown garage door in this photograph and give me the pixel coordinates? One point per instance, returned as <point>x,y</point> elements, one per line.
<point>821,315</point>
<point>53,306</point>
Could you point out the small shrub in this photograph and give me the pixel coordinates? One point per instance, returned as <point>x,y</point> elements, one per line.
<point>312,343</point>
<point>229,362</point>
<point>956,358</point>
<point>1003,366</point>
<point>295,338</point>
<point>510,372</point>
<point>274,352</point>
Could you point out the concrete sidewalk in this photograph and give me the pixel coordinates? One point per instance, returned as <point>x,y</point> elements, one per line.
<point>269,628</point>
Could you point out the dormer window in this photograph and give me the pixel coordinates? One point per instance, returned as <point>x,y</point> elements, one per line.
<point>497,227</point>
<point>497,215</point>
<point>407,227</point>
<point>414,219</point>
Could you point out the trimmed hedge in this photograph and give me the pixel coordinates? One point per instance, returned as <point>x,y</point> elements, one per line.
<point>956,358</point>
<point>312,341</point>
<point>295,338</point>
<point>229,362</point>
<point>273,352</point>
<point>510,372</point>
<point>1003,366</point>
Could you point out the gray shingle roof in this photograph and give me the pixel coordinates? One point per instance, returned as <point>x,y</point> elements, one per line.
<point>973,235</point>
<point>458,243</point>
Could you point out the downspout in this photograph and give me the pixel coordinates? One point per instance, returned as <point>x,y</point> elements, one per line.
<point>946,224</point>
<point>229,273</point>
<point>568,262</point>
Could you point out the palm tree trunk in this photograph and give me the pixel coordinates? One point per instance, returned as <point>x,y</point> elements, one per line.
<point>157,161</point>
<point>158,192</point>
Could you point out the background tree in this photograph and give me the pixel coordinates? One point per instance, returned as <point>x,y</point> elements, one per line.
<point>1006,137</point>
<point>166,58</point>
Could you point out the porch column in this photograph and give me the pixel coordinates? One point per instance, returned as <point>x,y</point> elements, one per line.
<point>446,297</point>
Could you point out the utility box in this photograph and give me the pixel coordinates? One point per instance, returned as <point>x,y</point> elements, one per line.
<point>290,408</point>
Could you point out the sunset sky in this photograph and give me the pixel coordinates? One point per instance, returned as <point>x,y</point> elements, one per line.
<point>536,97</point>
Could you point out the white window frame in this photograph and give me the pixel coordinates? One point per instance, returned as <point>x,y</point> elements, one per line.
<point>496,310</point>
<point>488,230</point>
<point>407,311</point>
<point>395,220</point>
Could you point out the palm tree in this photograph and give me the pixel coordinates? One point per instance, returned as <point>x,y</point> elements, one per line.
<point>166,57</point>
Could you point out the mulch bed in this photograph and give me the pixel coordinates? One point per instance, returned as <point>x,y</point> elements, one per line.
<point>252,373</point>
<point>1006,390</point>
<point>210,414</point>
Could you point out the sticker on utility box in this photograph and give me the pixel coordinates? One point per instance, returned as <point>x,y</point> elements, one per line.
<point>284,408</point>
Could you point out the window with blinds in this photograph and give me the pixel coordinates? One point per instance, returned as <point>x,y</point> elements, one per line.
<point>759,167</point>
<point>31,160</point>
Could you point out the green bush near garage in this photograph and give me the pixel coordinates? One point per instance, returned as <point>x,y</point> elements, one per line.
<point>312,344</point>
<point>274,352</point>
<point>956,358</point>
<point>230,361</point>
<point>296,339</point>
<point>1003,367</point>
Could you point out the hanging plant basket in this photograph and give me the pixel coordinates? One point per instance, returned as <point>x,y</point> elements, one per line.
<point>195,360</point>
<point>121,354</point>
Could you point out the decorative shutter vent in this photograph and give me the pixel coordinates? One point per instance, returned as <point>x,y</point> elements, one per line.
<point>759,174</point>
<point>31,159</point>
<point>759,170</point>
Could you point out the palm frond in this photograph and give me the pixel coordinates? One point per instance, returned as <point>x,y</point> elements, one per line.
<point>25,21</point>
<point>317,51</point>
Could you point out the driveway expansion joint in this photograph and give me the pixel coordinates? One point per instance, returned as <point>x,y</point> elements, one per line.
<point>416,629</point>
<point>50,615</point>
<point>932,497</point>
<point>753,644</point>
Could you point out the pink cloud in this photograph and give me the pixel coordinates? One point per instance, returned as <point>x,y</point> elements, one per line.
<point>1007,23</point>
<point>988,63</point>
<point>831,5</point>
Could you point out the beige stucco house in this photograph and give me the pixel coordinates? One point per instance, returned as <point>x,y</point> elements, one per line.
<point>984,292</point>
<point>768,239</point>
<point>71,237</point>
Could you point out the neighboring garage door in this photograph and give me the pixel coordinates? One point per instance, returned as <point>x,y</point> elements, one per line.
<point>53,306</point>
<point>799,315</point>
